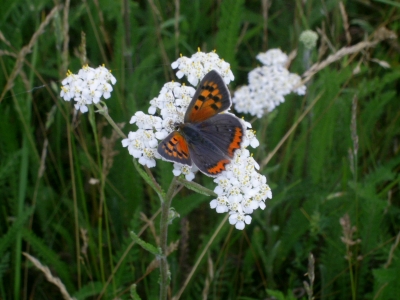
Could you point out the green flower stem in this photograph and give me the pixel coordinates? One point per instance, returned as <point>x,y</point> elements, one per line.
<point>166,200</point>
<point>149,178</point>
<point>104,111</point>
<point>165,206</point>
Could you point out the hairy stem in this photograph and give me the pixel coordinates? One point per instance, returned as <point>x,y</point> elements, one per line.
<point>165,206</point>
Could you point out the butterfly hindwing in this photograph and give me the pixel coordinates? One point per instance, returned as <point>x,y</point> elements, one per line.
<point>175,148</point>
<point>225,131</point>
<point>212,97</point>
<point>209,159</point>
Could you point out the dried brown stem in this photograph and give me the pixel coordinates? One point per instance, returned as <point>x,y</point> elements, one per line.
<point>50,278</point>
<point>380,35</point>
<point>27,49</point>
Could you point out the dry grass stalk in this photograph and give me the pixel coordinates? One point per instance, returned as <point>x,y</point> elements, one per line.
<point>102,26</point>
<point>324,37</point>
<point>85,240</point>
<point>125,254</point>
<point>176,26</point>
<point>391,252</point>
<point>50,278</point>
<point>65,34</point>
<point>184,247</point>
<point>209,278</point>
<point>353,126</point>
<point>81,51</point>
<point>323,47</point>
<point>108,151</point>
<point>3,38</point>
<point>345,22</point>
<point>265,6</point>
<point>348,231</point>
<point>42,166</point>
<point>265,161</point>
<point>157,20</point>
<point>380,35</point>
<point>292,55</point>
<point>150,223</point>
<point>27,49</point>
<point>347,237</point>
<point>206,248</point>
<point>311,276</point>
<point>8,53</point>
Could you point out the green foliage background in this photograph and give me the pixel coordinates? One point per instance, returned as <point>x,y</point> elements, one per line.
<point>48,155</point>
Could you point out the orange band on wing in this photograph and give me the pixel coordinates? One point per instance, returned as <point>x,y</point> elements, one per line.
<point>176,147</point>
<point>218,167</point>
<point>237,140</point>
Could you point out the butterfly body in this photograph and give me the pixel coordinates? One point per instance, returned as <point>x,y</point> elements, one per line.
<point>207,138</point>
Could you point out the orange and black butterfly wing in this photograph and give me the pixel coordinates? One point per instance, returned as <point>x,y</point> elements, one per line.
<point>223,130</point>
<point>208,158</point>
<point>212,97</point>
<point>175,148</point>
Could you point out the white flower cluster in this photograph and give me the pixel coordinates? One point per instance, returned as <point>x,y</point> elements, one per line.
<point>267,85</point>
<point>241,189</point>
<point>171,105</point>
<point>200,64</point>
<point>88,86</point>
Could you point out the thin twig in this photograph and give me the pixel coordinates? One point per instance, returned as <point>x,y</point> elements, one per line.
<point>124,255</point>
<point>345,22</point>
<point>217,231</point>
<point>65,32</point>
<point>177,32</point>
<point>157,17</point>
<point>391,253</point>
<point>380,35</point>
<point>164,224</point>
<point>265,6</point>
<point>50,278</point>
<point>285,137</point>
<point>27,49</point>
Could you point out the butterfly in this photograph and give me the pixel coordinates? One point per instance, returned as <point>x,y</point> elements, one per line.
<point>206,138</point>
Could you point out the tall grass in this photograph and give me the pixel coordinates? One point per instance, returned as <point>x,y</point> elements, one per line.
<point>335,181</point>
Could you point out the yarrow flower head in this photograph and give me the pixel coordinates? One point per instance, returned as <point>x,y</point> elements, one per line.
<point>88,86</point>
<point>240,188</point>
<point>309,39</point>
<point>268,85</point>
<point>199,64</point>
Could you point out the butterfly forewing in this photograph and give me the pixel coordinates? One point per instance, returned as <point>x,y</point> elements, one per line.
<point>175,148</point>
<point>212,97</point>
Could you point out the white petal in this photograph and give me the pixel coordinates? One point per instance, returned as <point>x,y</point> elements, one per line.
<point>175,64</point>
<point>160,135</point>
<point>190,176</point>
<point>233,219</point>
<point>176,172</point>
<point>125,142</point>
<point>213,203</point>
<point>239,225</point>
<point>247,219</point>
<point>152,110</point>
<point>254,143</point>
<point>222,209</point>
